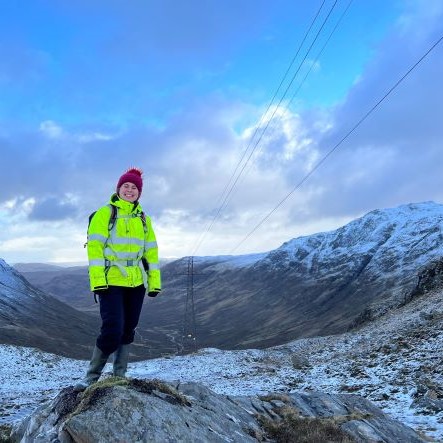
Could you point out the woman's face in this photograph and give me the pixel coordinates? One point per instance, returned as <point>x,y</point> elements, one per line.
<point>129,192</point>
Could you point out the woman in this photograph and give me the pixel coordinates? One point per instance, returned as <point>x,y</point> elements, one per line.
<point>123,264</point>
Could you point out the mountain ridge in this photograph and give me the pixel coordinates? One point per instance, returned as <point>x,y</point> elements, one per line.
<point>311,285</point>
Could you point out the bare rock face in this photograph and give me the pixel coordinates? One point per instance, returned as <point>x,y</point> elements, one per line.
<point>134,410</point>
<point>429,279</point>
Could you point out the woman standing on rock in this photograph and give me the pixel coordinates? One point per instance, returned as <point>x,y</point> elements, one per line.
<point>123,266</point>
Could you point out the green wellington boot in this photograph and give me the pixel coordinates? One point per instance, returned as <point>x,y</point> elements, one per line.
<point>98,362</point>
<point>121,356</point>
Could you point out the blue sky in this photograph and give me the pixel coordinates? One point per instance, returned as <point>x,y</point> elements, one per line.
<point>177,88</point>
<point>114,63</point>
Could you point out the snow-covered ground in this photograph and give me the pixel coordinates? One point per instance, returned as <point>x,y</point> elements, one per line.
<point>386,362</point>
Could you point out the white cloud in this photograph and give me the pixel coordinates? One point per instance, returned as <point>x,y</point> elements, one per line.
<point>95,136</point>
<point>61,242</point>
<point>51,129</point>
<point>55,131</point>
<point>311,64</point>
<point>8,204</point>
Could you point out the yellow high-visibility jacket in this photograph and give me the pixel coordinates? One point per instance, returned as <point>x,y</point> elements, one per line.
<point>115,256</point>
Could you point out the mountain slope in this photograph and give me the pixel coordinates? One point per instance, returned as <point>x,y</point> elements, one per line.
<point>28,317</point>
<point>69,285</point>
<point>316,285</point>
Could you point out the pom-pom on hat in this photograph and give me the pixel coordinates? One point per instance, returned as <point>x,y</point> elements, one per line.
<point>132,175</point>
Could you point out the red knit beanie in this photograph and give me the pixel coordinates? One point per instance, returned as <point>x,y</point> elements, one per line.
<point>132,175</point>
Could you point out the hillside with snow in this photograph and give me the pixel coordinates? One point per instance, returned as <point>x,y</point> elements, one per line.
<point>394,361</point>
<point>30,317</point>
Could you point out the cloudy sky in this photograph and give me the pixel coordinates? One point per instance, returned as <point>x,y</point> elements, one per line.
<point>195,94</point>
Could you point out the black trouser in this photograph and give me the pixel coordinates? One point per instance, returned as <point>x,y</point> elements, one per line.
<point>120,309</point>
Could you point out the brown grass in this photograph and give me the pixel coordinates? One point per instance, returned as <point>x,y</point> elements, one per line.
<point>293,428</point>
<point>151,387</point>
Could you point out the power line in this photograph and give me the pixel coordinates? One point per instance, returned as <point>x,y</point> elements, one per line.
<point>277,91</point>
<point>277,107</point>
<point>319,54</point>
<point>224,199</point>
<point>362,119</point>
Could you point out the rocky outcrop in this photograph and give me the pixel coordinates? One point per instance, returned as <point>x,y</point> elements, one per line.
<point>152,411</point>
<point>429,279</point>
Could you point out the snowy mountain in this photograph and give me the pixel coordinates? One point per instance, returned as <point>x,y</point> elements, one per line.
<point>316,285</point>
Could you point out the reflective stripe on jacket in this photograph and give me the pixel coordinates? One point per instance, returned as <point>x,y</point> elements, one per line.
<point>115,257</point>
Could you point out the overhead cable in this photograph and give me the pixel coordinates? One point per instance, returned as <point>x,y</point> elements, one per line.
<point>277,107</point>
<point>231,188</point>
<point>319,54</point>
<point>336,146</point>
